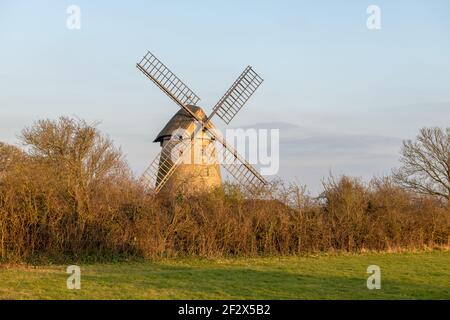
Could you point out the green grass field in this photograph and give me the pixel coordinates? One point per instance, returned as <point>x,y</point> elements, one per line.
<point>403,276</point>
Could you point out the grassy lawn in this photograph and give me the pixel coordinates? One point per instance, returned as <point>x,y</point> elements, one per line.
<point>404,276</point>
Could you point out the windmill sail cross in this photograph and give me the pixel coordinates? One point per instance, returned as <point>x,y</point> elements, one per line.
<point>163,167</point>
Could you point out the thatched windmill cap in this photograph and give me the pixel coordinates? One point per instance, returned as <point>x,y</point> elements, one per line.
<point>182,119</point>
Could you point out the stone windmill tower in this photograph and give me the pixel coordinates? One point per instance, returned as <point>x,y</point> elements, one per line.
<point>190,142</point>
<point>199,170</point>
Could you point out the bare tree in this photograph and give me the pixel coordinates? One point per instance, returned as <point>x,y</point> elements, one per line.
<point>77,154</point>
<point>426,163</point>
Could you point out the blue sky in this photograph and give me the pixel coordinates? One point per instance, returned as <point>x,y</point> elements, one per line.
<point>343,96</point>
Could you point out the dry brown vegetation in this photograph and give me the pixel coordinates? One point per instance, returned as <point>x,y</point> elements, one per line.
<point>69,194</point>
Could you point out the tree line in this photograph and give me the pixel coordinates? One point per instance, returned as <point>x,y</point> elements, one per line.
<point>68,194</point>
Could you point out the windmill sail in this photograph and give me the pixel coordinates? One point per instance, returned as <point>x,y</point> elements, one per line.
<point>163,166</point>
<point>240,169</point>
<point>239,93</point>
<point>167,81</point>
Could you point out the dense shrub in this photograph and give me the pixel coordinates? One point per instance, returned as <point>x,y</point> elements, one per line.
<point>71,195</point>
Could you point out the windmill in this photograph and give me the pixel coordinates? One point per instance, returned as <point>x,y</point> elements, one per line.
<point>169,172</point>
